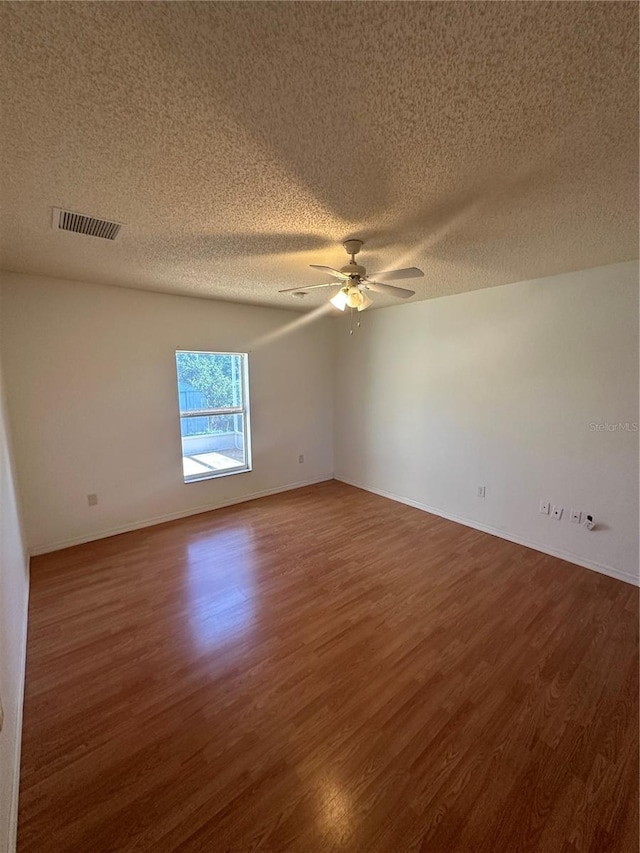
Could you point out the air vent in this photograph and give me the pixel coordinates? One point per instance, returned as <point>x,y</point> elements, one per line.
<point>79,223</point>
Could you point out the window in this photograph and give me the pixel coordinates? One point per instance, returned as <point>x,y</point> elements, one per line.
<point>213,394</point>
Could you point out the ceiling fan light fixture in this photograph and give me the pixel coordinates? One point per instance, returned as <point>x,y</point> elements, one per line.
<point>355,297</point>
<point>339,301</point>
<point>366,301</point>
<point>354,282</point>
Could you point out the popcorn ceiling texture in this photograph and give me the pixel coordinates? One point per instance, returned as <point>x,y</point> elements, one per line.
<point>483,142</point>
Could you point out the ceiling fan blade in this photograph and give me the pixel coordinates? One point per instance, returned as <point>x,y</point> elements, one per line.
<point>329,270</point>
<point>408,272</point>
<point>311,287</point>
<point>389,289</point>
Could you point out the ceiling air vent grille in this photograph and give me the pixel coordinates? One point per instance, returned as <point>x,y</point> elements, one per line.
<point>66,220</point>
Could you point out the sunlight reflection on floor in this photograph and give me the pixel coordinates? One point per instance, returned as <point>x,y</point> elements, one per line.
<point>221,586</point>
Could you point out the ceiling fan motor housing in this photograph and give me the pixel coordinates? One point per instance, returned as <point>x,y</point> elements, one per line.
<point>353,269</point>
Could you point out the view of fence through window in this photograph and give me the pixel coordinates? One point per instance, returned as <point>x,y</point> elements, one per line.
<point>214,422</point>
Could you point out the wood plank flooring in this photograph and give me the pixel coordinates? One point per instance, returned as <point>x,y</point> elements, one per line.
<point>326,670</point>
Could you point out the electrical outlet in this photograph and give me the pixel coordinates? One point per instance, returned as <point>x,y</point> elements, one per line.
<point>557,513</point>
<point>92,500</point>
<point>301,458</point>
<point>545,507</point>
<point>575,516</point>
<point>481,491</point>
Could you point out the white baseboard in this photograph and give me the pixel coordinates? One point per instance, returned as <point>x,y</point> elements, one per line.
<point>172,516</point>
<point>15,792</point>
<point>493,531</point>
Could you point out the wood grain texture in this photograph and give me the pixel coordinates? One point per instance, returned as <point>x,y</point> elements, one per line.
<point>326,670</point>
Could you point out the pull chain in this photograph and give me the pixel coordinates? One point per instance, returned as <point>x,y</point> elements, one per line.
<point>351,310</point>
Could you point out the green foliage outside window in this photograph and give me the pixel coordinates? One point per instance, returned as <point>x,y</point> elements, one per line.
<point>218,378</point>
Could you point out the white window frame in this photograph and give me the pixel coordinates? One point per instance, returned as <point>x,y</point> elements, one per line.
<point>243,410</point>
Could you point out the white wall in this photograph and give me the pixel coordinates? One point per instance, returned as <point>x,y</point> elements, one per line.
<point>14,590</point>
<point>498,388</point>
<point>92,398</point>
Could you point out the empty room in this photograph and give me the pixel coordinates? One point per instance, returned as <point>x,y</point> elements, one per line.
<point>319,398</point>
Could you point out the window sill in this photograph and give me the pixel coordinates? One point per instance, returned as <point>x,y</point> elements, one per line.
<point>198,478</point>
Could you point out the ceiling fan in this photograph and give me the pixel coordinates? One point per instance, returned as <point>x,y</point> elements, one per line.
<point>354,282</point>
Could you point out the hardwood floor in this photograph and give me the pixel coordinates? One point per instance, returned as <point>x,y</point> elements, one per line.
<point>326,670</point>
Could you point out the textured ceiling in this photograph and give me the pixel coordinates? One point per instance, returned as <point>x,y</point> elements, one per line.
<point>483,142</point>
